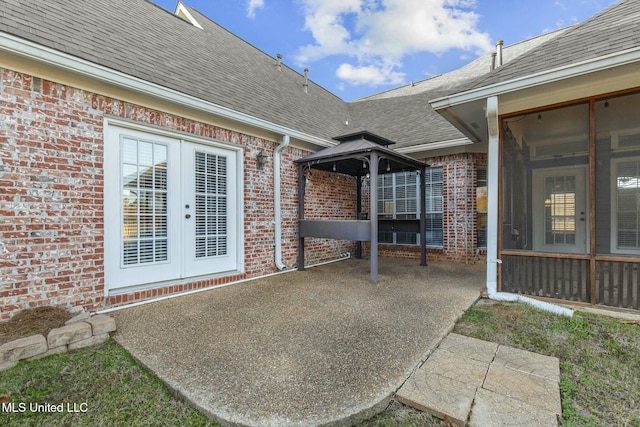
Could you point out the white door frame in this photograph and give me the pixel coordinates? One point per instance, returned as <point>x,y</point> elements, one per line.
<point>120,278</point>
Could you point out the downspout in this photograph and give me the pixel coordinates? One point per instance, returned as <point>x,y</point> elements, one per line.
<point>277,205</point>
<point>492,221</point>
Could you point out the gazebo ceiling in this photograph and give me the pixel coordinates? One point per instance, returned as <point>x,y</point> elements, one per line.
<point>352,155</point>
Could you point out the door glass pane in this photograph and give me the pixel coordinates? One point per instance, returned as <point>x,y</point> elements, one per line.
<point>144,202</point>
<point>210,174</point>
<point>560,210</point>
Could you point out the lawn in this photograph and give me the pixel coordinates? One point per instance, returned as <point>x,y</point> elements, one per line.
<point>103,381</point>
<point>103,385</point>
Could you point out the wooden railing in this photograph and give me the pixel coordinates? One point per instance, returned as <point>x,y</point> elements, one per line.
<point>618,282</point>
<point>567,277</point>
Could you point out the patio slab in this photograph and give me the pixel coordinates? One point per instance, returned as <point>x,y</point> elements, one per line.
<point>322,346</point>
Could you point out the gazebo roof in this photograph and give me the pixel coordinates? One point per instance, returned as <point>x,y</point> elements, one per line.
<point>349,156</point>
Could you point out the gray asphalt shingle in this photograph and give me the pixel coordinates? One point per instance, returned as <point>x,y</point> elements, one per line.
<point>141,39</point>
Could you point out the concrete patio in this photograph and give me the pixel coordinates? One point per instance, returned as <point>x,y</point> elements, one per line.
<point>301,348</point>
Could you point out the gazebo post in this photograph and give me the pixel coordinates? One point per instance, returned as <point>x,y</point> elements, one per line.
<point>373,207</point>
<point>301,190</point>
<point>358,211</point>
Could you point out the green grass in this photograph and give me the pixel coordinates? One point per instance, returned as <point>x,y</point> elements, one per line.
<point>599,358</point>
<point>103,380</point>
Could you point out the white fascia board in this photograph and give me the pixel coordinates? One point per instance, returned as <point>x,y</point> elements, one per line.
<point>54,58</point>
<point>182,11</point>
<point>544,77</point>
<point>434,145</point>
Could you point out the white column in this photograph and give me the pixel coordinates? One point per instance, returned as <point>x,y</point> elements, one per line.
<point>493,164</point>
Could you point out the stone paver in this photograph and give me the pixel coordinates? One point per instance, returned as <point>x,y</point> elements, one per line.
<point>493,409</point>
<point>511,387</point>
<point>537,391</point>
<point>438,395</point>
<point>457,367</point>
<point>528,362</point>
<point>473,348</point>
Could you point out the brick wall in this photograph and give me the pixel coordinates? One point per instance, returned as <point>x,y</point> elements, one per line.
<point>329,196</point>
<point>51,195</point>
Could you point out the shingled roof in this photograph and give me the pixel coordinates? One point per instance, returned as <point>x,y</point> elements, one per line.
<point>143,40</point>
<point>615,29</point>
<point>405,115</point>
<point>139,38</point>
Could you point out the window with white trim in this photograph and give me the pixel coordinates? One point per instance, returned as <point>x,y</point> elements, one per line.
<point>398,198</point>
<point>626,203</point>
<point>434,201</point>
<point>481,207</point>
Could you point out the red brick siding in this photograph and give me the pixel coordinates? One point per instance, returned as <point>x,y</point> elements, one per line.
<point>329,196</point>
<point>51,194</point>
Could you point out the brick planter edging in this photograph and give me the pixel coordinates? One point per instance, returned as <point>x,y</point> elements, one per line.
<point>83,330</point>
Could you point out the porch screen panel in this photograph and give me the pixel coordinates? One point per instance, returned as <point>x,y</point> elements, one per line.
<point>545,203</point>
<point>618,175</point>
<point>545,170</point>
<point>144,202</point>
<point>211,231</point>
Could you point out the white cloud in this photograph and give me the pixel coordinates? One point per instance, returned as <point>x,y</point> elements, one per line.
<point>252,6</point>
<point>377,32</point>
<point>369,75</point>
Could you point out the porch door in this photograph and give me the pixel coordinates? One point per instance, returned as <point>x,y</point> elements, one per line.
<point>171,209</point>
<point>208,205</point>
<point>560,210</point>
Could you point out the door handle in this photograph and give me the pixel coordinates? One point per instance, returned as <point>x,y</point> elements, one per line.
<point>187,216</point>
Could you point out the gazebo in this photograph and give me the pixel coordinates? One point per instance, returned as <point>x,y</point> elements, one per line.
<point>362,155</point>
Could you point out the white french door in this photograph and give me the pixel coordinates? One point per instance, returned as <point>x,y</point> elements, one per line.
<point>560,214</point>
<point>208,202</point>
<point>171,208</point>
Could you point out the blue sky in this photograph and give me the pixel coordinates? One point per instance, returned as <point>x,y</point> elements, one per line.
<point>356,48</point>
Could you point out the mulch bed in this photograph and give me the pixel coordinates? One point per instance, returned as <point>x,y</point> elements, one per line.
<point>32,321</point>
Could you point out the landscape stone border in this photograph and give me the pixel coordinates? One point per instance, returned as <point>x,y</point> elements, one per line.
<point>83,330</point>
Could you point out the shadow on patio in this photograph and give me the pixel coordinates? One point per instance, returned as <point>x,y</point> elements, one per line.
<point>302,348</point>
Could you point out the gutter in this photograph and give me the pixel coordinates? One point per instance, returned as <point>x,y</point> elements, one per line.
<point>277,205</point>
<point>57,59</point>
<point>601,63</point>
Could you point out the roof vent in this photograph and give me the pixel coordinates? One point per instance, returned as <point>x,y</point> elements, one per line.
<point>499,44</point>
<point>279,61</point>
<point>305,85</point>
